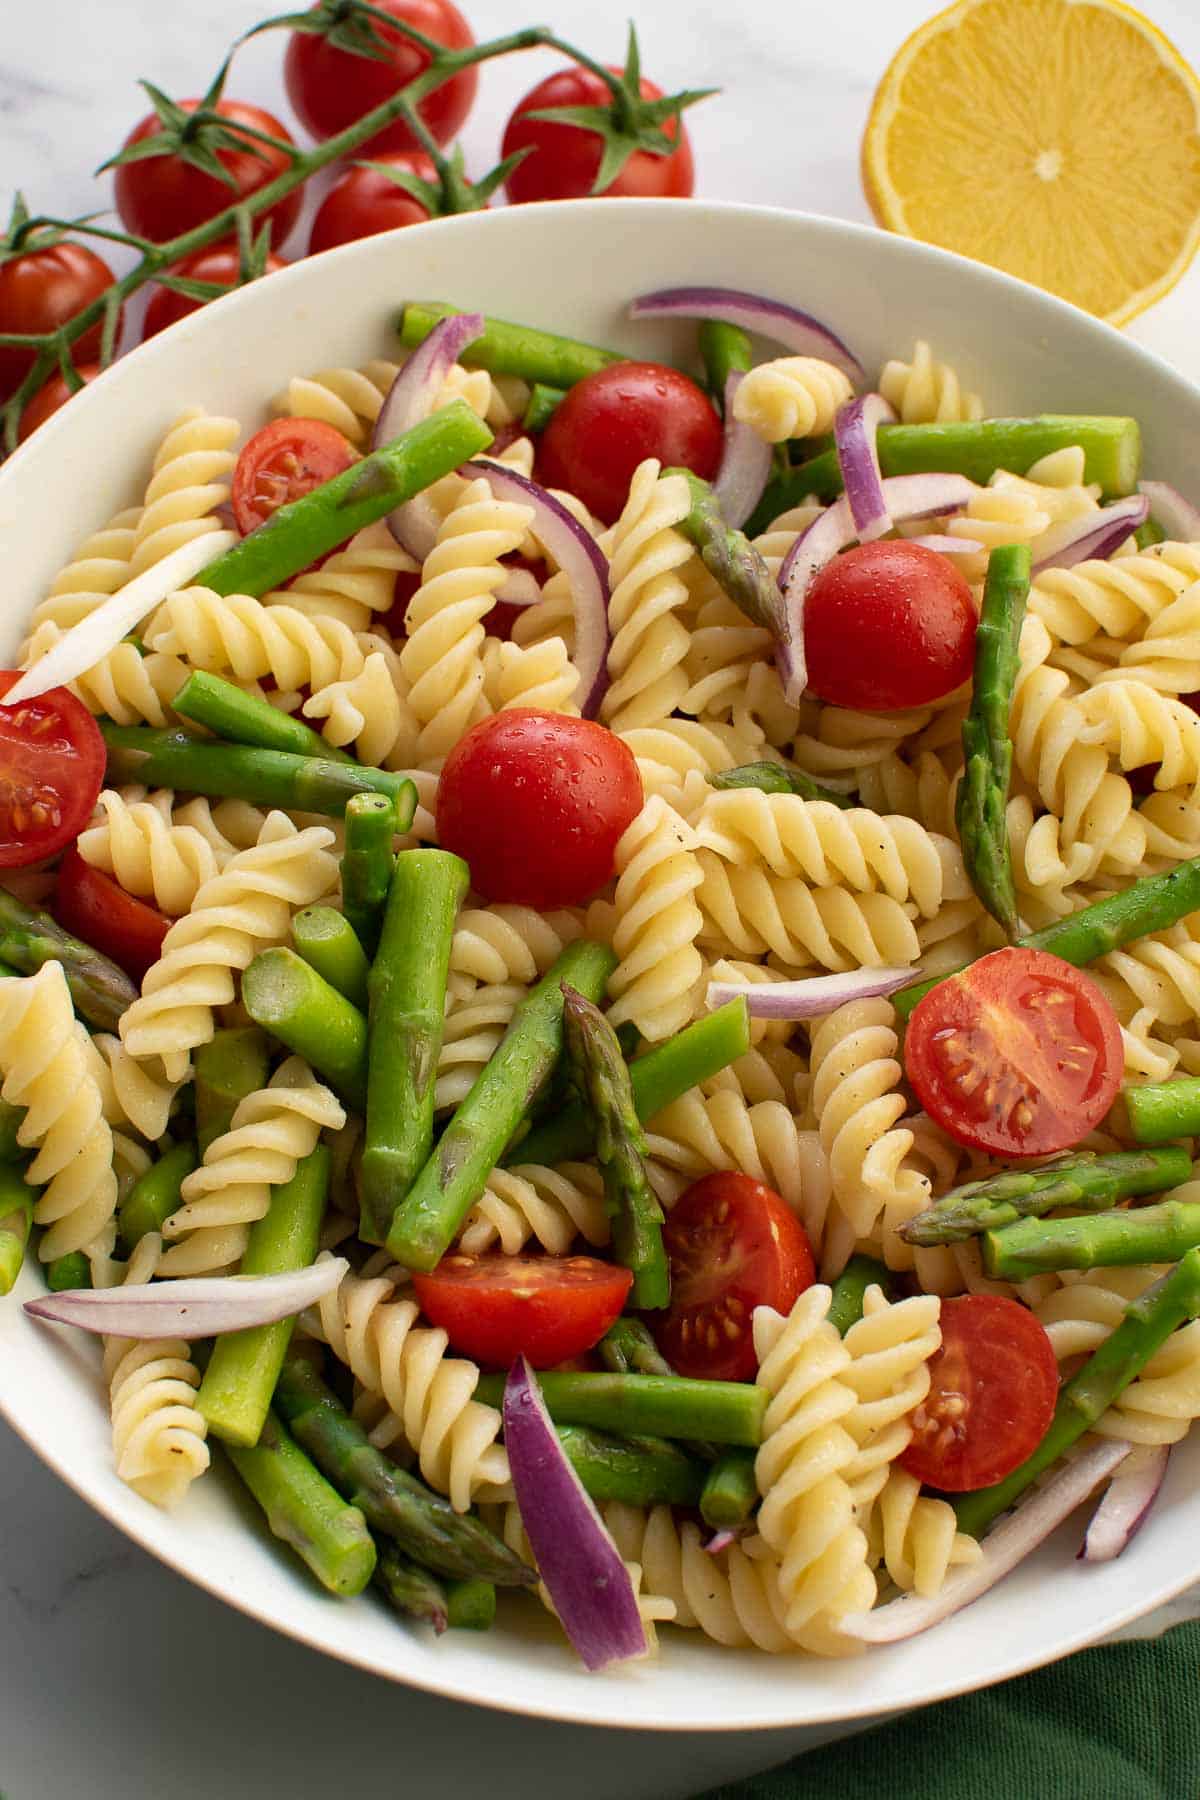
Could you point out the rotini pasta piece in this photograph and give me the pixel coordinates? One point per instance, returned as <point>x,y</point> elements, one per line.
<point>749,912</point>
<point>731,1599</point>
<point>270,1133</point>
<point>98,568</point>
<point>768,1072</point>
<point>1137,725</point>
<point>188,482</point>
<point>668,753</point>
<point>836,743</point>
<point>355,583</point>
<point>235,914</point>
<point>507,943</point>
<point>348,399</point>
<point>124,685</point>
<point>774,543</point>
<point>996,515</point>
<point>1167,657</point>
<point>725,647</point>
<point>476,1020</point>
<point>371,711</point>
<point>889,1347</point>
<point>791,397</point>
<point>413,1391</point>
<point>650,641</point>
<point>551,1206</point>
<point>158,1430</point>
<point>135,1093</point>
<point>924,391</point>
<point>541,675</point>
<point>235,634</point>
<point>1120,597</point>
<point>1161,973</point>
<point>551,616</point>
<point>659,969</point>
<point>923,788</point>
<point>1161,1403</point>
<point>139,841</point>
<point>48,1071</point>
<point>222,822</point>
<point>915,1536</point>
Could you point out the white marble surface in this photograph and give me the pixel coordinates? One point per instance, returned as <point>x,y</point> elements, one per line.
<point>121,1680</point>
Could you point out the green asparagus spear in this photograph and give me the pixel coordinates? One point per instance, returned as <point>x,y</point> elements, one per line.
<point>1085,1179</point>
<point>230,1066</point>
<point>670,1406</point>
<point>155,1195</point>
<point>456,1174</point>
<point>70,1271</point>
<point>779,778</point>
<point>404,1029</point>
<point>731,559</point>
<point>296,1005</point>
<point>100,991</point>
<point>1149,534</point>
<point>730,1491</point>
<point>11,1119</point>
<point>424,1524</point>
<point>16,1223</point>
<point>726,351</point>
<point>244,1366</point>
<point>328,943</point>
<point>1148,1323</point>
<point>627,1348</point>
<point>658,1078</point>
<point>297,534</point>
<point>367,863</point>
<point>980,807</point>
<point>505,349</point>
<point>472,1605</point>
<point>1143,1234</point>
<point>602,1079</point>
<point>1164,1110</point>
<point>305,1511</point>
<point>640,1471</point>
<point>412,1590</point>
<point>544,402</point>
<point>241,718</point>
<point>849,1290</point>
<point>176,759</point>
<point>1149,905</point>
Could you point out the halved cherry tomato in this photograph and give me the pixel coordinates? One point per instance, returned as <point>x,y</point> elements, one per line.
<point>1020,1054</point>
<point>613,420</point>
<point>734,1244</point>
<point>50,398</point>
<point>98,910</point>
<point>548,1308</point>
<point>887,626</point>
<point>535,803</point>
<point>51,769</point>
<point>283,462</point>
<point>992,1393</point>
<point>219,264</point>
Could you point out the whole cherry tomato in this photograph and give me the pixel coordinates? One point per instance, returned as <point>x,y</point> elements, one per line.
<point>219,264</point>
<point>39,291</point>
<point>160,196</point>
<point>613,420</point>
<point>364,201</point>
<point>564,159</point>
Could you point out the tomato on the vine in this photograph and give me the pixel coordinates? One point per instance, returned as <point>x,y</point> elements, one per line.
<point>39,291</point>
<point>97,909</point>
<point>51,770</point>
<point>50,398</point>
<point>613,420</point>
<point>329,88</point>
<point>219,264</point>
<point>283,462</point>
<point>564,158</point>
<point>549,1308</point>
<point>364,201</point>
<point>160,196</point>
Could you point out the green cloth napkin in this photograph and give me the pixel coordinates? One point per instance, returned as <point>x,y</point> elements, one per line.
<point>1118,1723</point>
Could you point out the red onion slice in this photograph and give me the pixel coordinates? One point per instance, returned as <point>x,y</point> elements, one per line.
<point>1168,508</point>
<point>1015,1538</point>
<point>720,1540</point>
<point>575,1555</point>
<point>854,434</point>
<point>409,400</point>
<point>797,331</point>
<point>201,1308</point>
<point>1125,1504</point>
<point>1092,538</point>
<point>948,546</point>
<point>810,998</point>
<point>583,562</point>
<point>745,463</point>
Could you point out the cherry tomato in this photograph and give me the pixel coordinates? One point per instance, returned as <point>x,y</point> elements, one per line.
<point>363,202</point>
<point>98,910</point>
<point>535,803</point>
<point>51,769</point>
<point>548,1308</point>
<point>888,626</point>
<point>283,462</point>
<point>220,264</point>
<point>49,399</point>
<point>992,1393</point>
<point>39,291</point>
<point>733,1245</point>
<point>613,420</point>
<point>564,160</point>
<point>1020,1054</point>
<point>331,88</point>
<point>163,195</point>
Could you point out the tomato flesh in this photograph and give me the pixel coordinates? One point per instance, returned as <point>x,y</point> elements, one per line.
<point>535,803</point>
<point>97,909</point>
<point>41,290</point>
<point>548,1308</point>
<point>888,626</point>
<point>161,196</point>
<point>220,265</point>
<point>992,1393</point>
<point>363,202</point>
<point>733,1244</point>
<point>1019,1055</point>
<point>564,159</point>
<point>613,420</point>
<point>52,760</point>
<point>284,461</point>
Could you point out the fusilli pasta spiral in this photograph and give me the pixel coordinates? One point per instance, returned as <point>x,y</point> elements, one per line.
<point>649,640</point>
<point>926,391</point>
<point>655,983</point>
<point>792,397</point>
<point>151,854</point>
<point>158,1431</point>
<point>189,481</point>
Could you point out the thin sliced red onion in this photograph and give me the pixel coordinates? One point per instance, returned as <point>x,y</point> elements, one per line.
<point>576,1557</point>
<point>854,434</point>
<point>1168,508</point>
<point>720,1540</point>
<point>948,546</point>
<point>797,331</point>
<point>745,463</point>
<point>409,400</point>
<point>809,998</point>
<point>1125,1504</point>
<point>192,1309</point>
<point>1094,537</point>
<point>85,644</point>
<point>1015,1538</point>
<point>583,562</point>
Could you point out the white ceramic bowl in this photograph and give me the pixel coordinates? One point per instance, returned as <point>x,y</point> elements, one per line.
<point>572,268</point>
